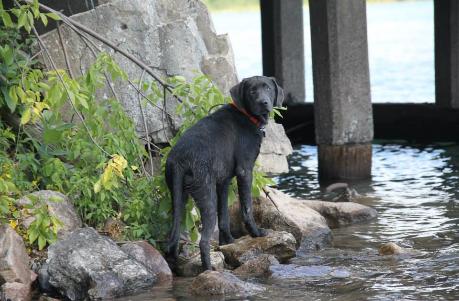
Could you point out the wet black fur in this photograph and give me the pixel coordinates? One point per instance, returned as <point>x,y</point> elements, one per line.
<point>219,147</point>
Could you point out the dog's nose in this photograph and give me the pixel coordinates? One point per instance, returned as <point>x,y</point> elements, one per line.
<point>265,102</point>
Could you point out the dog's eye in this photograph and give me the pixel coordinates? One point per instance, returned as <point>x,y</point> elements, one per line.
<point>252,91</point>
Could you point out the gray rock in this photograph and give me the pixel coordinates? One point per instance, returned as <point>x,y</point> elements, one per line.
<point>222,283</point>
<point>15,291</point>
<point>340,214</point>
<point>59,205</point>
<point>281,212</point>
<point>86,265</point>
<point>14,261</point>
<point>280,244</point>
<point>192,266</point>
<point>258,266</point>
<point>16,277</point>
<point>150,258</point>
<point>275,149</point>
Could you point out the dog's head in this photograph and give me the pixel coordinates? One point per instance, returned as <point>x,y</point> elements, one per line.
<point>258,95</point>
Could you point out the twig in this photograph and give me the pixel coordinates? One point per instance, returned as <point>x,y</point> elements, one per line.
<point>147,132</point>
<point>64,49</point>
<point>270,198</point>
<point>146,97</point>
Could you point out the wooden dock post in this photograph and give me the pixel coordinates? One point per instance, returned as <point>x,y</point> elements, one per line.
<point>342,100</point>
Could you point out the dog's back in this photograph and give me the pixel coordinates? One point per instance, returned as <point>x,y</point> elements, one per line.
<point>211,147</point>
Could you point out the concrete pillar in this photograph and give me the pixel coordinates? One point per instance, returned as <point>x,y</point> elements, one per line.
<point>342,100</point>
<point>282,42</point>
<point>446,15</point>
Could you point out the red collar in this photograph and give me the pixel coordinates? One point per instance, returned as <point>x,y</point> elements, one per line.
<point>252,118</point>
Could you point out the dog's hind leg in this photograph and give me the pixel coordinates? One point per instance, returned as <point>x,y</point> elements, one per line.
<point>206,200</point>
<point>244,184</point>
<point>225,236</point>
<point>179,198</point>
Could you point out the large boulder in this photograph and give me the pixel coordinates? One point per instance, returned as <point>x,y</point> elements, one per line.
<point>281,245</point>
<point>192,266</point>
<point>340,214</point>
<point>150,258</point>
<point>15,275</point>
<point>58,205</point>
<point>173,37</point>
<point>277,211</point>
<point>86,265</point>
<point>222,283</point>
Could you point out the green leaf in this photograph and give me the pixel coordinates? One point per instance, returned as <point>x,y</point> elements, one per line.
<point>51,136</point>
<point>44,19</point>
<point>33,235</point>
<point>194,234</point>
<point>7,19</point>
<point>53,16</point>
<point>41,242</point>
<point>10,102</point>
<point>22,19</point>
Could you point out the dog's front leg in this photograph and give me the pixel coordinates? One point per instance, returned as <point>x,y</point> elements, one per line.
<point>244,184</point>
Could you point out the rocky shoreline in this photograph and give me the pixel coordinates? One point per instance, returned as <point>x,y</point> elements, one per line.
<point>86,265</point>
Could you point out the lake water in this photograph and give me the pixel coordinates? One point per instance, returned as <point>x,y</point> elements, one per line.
<point>401,49</point>
<point>414,188</point>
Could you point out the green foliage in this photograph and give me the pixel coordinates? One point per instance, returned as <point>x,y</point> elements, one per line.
<point>43,230</point>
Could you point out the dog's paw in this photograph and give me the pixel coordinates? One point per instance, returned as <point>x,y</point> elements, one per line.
<point>225,240</point>
<point>262,232</point>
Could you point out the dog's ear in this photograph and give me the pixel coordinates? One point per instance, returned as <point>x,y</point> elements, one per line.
<point>237,94</point>
<point>279,94</point>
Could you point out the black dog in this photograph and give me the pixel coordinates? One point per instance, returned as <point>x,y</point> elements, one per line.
<point>209,154</point>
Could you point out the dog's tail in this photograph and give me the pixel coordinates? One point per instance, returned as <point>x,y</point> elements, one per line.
<point>174,181</point>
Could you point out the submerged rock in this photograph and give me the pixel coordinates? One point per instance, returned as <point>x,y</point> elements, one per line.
<point>16,277</point>
<point>394,249</point>
<point>340,214</point>
<point>258,266</point>
<point>86,265</point>
<point>280,212</point>
<point>58,204</point>
<point>280,244</point>
<point>150,258</point>
<point>222,283</point>
<point>192,266</point>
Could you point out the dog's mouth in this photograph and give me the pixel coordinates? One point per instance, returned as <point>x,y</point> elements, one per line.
<point>263,117</point>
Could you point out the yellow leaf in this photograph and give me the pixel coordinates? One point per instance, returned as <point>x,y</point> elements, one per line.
<point>97,187</point>
<point>25,118</point>
<point>13,223</point>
